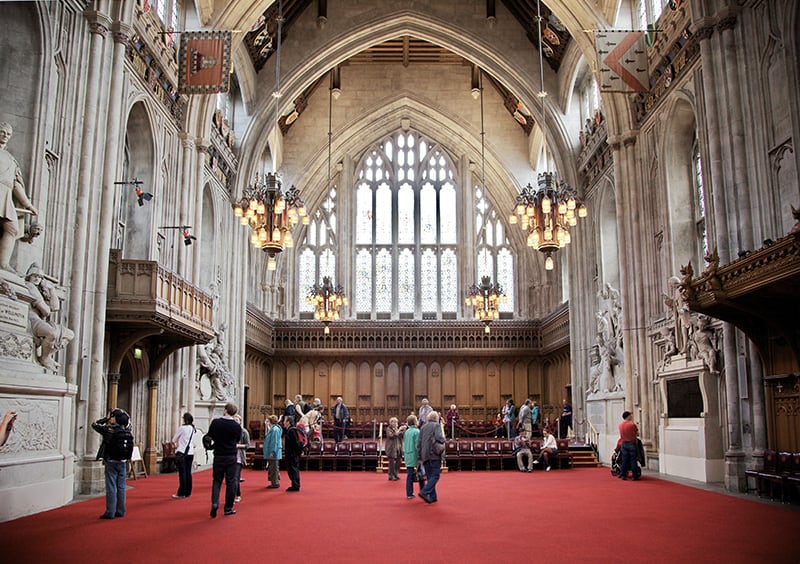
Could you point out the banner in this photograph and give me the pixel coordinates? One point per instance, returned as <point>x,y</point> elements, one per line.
<point>621,61</point>
<point>204,62</point>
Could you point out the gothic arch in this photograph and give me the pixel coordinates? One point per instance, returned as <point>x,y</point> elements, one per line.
<point>139,162</point>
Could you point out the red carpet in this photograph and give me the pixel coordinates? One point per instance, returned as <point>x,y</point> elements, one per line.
<point>579,515</point>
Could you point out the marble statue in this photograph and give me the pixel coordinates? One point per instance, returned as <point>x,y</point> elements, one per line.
<point>679,313</point>
<point>702,343</point>
<point>12,188</point>
<point>213,365</point>
<point>49,337</point>
<point>607,372</point>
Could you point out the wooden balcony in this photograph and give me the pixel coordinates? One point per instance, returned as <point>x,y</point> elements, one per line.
<point>143,295</point>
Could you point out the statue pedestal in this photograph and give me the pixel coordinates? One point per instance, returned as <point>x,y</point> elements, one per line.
<point>690,430</point>
<point>604,410</point>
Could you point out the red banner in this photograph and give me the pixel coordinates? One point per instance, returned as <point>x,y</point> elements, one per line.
<point>205,62</point>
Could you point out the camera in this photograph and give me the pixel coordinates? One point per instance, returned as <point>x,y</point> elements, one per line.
<point>102,421</point>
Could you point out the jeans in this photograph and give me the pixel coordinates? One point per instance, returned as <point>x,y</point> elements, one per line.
<point>184,465</point>
<point>411,477</point>
<point>115,488</point>
<point>225,467</point>
<point>629,461</point>
<point>432,469</point>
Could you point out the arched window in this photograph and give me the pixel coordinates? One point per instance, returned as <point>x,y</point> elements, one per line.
<point>406,263</point>
<point>317,253</point>
<point>699,198</point>
<point>494,256</point>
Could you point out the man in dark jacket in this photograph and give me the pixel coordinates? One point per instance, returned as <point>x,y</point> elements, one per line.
<point>226,433</point>
<point>292,449</point>
<point>430,449</point>
<point>115,462</point>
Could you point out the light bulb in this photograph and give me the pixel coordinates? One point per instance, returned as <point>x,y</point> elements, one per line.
<point>548,263</point>
<point>272,264</point>
<point>237,211</point>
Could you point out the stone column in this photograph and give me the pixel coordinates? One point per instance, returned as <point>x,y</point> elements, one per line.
<point>98,26</point>
<point>113,390</point>
<point>150,450</point>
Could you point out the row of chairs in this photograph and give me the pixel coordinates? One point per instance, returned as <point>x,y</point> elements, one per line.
<point>485,454</point>
<point>329,455</point>
<point>781,470</point>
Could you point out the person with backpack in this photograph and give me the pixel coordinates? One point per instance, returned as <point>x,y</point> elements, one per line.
<point>225,433</point>
<point>115,451</point>
<point>293,445</point>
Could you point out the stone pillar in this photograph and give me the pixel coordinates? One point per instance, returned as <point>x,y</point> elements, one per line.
<point>150,450</point>
<point>113,390</point>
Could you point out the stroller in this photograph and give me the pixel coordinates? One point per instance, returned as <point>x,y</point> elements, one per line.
<point>616,457</point>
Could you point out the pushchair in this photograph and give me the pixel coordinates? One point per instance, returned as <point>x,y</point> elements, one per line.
<point>616,457</point>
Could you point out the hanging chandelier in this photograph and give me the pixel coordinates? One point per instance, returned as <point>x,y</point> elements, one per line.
<point>547,211</point>
<point>271,214</point>
<point>327,300</point>
<point>485,299</point>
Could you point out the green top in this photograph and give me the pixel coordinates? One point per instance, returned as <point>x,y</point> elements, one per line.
<point>410,440</point>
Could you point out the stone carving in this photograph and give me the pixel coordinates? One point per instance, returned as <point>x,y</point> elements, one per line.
<point>48,336</point>
<point>213,368</point>
<point>35,428</point>
<point>607,372</point>
<point>15,346</point>
<point>12,188</point>
<point>686,335</point>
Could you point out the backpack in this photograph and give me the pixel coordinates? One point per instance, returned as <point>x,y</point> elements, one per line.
<point>208,442</point>
<point>120,445</point>
<point>302,438</point>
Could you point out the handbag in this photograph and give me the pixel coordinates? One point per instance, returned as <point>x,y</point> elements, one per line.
<point>437,448</point>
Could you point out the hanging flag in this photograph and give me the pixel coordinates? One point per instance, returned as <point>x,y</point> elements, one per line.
<point>205,62</point>
<point>621,61</point>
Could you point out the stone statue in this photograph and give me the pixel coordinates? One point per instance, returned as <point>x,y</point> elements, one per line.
<point>213,364</point>
<point>679,313</point>
<point>702,343</point>
<point>608,375</point>
<point>50,337</point>
<point>11,188</point>
<point>668,340</point>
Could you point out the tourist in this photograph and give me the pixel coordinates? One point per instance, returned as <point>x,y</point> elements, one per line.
<point>526,418</point>
<point>535,415</point>
<point>184,455</point>
<point>394,448</point>
<point>452,420</point>
<point>273,451</point>
<point>549,448</point>
<point>292,448</point>
<point>410,444</point>
<point>340,418</point>
<point>115,451</point>
<point>522,450</point>
<point>241,457</point>
<point>424,410</point>
<point>565,421</point>
<point>628,434</point>
<point>226,433</point>
<point>509,413</point>
<point>430,450</point>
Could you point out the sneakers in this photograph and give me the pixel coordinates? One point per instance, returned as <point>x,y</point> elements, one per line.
<point>230,512</point>
<point>536,462</point>
<point>176,496</point>
<point>409,497</point>
<point>237,499</point>
<point>548,468</point>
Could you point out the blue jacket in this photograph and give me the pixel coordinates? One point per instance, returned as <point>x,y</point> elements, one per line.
<point>273,449</point>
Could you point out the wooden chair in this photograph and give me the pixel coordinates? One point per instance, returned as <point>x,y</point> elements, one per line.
<point>479,454</point>
<point>563,455</point>
<point>356,452</point>
<point>778,478</point>
<point>314,455</point>
<point>328,454</point>
<point>493,454</point>
<point>768,469</point>
<point>465,454</point>
<point>507,454</point>
<point>371,455</point>
<point>168,458</point>
<point>451,454</point>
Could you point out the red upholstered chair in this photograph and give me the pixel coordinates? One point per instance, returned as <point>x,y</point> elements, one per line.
<point>371,455</point>
<point>255,429</point>
<point>493,454</point>
<point>465,454</point>
<point>507,454</point>
<point>563,455</point>
<point>479,454</point>
<point>769,469</point>
<point>328,454</point>
<point>342,461</point>
<point>451,454</point>
<point>314,456</point>
<point>168,457</point>
<point>356,455</point>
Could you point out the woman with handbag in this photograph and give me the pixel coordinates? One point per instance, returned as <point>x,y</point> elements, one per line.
<point>184,455</point>
<point>414,472</point>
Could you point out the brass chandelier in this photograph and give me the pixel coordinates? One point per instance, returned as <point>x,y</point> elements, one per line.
<point>547,211</point>
<point>327,300</point>
<point>485,299</point>
<point>270,212</point>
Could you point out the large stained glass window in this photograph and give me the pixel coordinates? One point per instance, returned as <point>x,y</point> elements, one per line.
<point>406,232</point>
<point>318,251</point>
<point>494,257</point>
